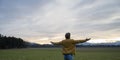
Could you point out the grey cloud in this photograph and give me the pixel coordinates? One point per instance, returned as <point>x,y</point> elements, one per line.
<point>15,9</point>
<point>107,27</point>
<point>95,17</point>
<point>98,9</point>
<point>40,18</point>
<point>83,3</point>
<point>100,27</point>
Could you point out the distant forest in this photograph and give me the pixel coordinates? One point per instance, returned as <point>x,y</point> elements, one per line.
<point>7,42</point>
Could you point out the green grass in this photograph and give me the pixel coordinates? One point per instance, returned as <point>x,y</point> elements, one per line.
<point>55,54</point>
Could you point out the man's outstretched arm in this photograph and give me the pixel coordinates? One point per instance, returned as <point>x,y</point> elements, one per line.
<point>82,41</point>
<point>56,43</point>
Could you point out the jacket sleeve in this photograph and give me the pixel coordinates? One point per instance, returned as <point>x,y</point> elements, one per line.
<point>80,41</point>
<point>57,43</point>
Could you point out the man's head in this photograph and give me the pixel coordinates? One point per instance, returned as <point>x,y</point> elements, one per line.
<point>67,35</point>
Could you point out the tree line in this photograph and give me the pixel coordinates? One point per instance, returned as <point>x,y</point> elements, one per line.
<point>7,42</point>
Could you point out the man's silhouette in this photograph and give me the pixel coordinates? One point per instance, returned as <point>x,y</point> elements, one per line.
<point>69,46</point>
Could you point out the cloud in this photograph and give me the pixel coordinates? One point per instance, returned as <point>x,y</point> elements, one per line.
<point>35,20</point>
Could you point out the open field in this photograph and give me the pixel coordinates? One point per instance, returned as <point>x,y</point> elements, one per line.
<point>55,54</point>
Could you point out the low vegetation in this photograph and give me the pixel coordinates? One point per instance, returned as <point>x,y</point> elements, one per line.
<point>55,54</point>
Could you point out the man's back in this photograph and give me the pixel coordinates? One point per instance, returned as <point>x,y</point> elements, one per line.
<point>68,46</point>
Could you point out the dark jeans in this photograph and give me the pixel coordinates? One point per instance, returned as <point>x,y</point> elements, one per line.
<point>68,57</point>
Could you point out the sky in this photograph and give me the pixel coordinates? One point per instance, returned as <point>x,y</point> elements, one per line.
<point>42,21</point>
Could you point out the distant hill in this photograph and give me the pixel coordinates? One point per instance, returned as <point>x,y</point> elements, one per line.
<point>86,44</point>
<point>112,43</point>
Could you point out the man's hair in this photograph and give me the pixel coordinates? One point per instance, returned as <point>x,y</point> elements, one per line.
<point>67,35</point>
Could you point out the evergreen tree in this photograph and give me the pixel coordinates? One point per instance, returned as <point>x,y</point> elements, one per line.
<point>11,42</point>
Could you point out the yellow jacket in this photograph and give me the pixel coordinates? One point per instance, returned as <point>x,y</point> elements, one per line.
<point>69,45</point>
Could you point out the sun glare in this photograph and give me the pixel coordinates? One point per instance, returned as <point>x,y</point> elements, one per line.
<point>102,41</point>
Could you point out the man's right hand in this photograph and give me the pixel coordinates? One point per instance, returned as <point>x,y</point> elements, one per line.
<point>88,39</point>
<point>51,42</point>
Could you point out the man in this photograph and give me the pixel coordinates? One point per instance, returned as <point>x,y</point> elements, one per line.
<point>69,46</point>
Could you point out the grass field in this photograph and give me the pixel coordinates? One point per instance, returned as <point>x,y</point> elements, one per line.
<point>55,54</point>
